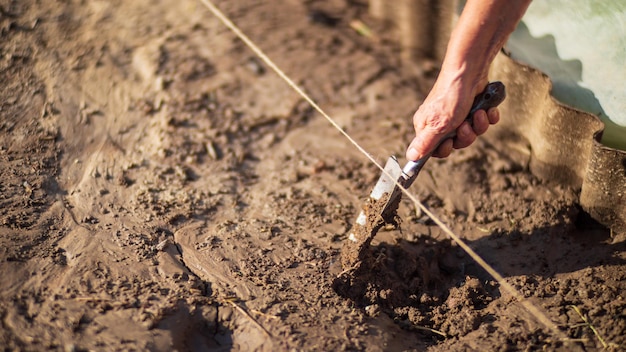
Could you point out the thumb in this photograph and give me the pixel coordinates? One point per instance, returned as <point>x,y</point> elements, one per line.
<point>424,143</point>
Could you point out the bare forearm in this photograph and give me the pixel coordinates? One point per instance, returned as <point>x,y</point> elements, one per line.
<point>482,30</point>
<point>480,33</point>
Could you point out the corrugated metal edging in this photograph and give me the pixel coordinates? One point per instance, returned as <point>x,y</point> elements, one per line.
<point>565,142</point>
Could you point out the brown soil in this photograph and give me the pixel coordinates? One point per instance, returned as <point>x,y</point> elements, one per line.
<point>357,247</point>
<point>162,189</point>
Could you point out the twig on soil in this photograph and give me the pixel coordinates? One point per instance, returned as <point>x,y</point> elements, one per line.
<point>233,302</point>
<point>362,29</point>
<point>440,333</point>
<point>269,316</point>
<point>348,270</point>
<point>588,323</point>
<point>80,299</point>
<point>581,340</point>
<point>484,229</point>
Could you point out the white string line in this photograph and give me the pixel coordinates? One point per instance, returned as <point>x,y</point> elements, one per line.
<point>534,310</point>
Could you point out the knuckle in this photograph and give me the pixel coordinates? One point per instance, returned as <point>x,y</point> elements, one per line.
<point>438,124</point>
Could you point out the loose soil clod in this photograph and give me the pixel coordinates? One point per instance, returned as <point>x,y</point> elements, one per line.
<point>355,249</point>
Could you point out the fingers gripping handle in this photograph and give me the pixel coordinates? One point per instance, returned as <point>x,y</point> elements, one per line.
<point>491,97</point>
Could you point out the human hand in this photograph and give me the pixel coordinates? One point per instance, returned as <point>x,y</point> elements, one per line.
<point>444,110</point>
<point>481,31</point>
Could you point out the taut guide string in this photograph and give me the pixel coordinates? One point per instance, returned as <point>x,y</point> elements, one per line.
<point>534,310</point>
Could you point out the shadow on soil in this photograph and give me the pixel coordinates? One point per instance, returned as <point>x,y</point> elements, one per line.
<point>197,329</point>
<point>429,282</point>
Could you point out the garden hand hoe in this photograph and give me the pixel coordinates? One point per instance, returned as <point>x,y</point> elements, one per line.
<point>382,204</point>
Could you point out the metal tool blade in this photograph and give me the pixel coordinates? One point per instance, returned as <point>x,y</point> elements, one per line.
<point>491,97</point>
<point>391,172</point>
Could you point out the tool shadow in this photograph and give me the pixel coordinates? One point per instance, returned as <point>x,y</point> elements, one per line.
<point>425,273</point>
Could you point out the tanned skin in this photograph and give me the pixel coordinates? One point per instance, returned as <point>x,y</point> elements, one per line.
<point>482,30</point>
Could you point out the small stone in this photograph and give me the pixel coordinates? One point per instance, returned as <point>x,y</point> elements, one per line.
<point>372,310</point>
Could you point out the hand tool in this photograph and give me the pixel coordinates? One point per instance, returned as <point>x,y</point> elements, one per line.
<point>382,205</point>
